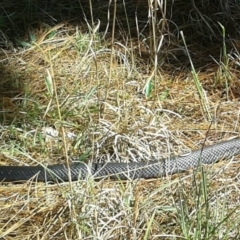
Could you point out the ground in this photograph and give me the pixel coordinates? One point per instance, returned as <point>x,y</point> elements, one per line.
<point>70,93</point>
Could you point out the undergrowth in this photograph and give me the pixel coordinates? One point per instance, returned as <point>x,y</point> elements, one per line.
<point>119,81</point>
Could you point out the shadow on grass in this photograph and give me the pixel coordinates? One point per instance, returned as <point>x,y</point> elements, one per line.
<point>198,21</point>
<point>10,89</point>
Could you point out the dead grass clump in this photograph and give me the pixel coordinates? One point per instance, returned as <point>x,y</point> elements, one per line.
<point>200,21</point>
<point>70,94</point>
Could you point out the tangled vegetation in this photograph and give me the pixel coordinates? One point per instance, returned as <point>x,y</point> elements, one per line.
<point>119,81</point>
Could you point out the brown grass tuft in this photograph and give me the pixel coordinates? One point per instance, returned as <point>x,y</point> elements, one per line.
<point>68,92</point>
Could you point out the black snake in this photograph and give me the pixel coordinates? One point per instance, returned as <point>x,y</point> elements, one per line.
<point>124,171</point>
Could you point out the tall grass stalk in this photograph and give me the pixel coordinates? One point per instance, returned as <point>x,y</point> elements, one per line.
<point>224,65</point>
<point>112,57</point>
<point>200,90</point>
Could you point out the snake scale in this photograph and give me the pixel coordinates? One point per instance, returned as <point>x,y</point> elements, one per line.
<point>124,171</point>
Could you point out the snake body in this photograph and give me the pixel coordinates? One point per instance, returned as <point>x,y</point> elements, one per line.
<point>124,171</point>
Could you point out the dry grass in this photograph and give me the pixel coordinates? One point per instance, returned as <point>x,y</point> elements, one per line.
<point>72,94</point>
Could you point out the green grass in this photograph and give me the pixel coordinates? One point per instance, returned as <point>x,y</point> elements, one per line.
<point>131,93</point>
